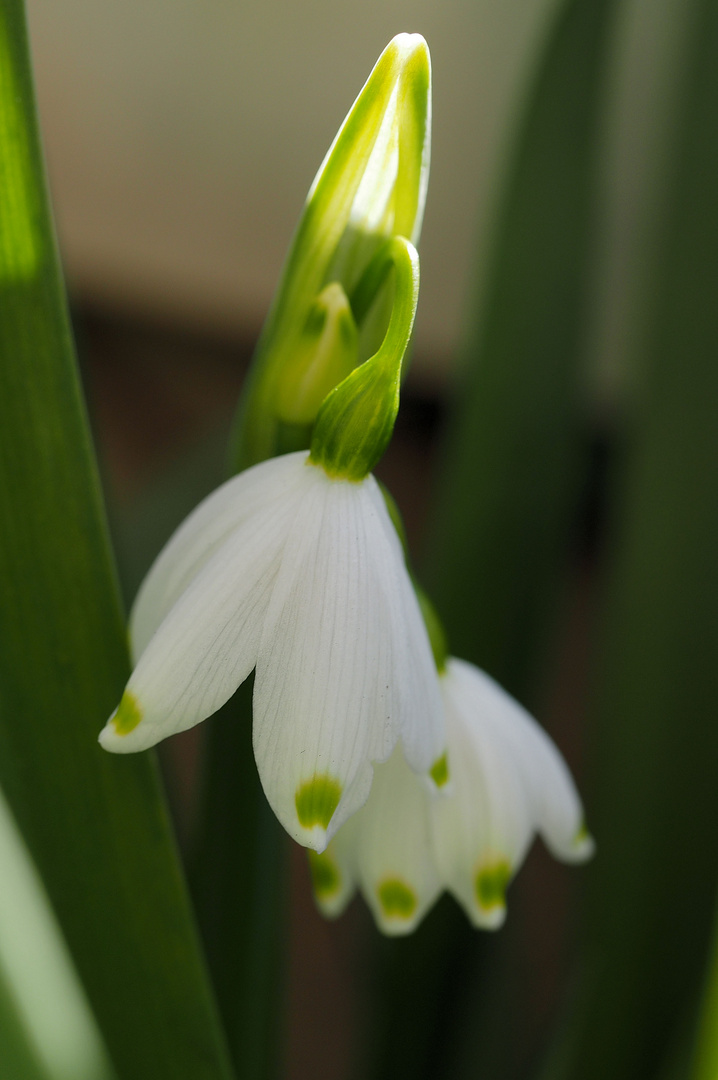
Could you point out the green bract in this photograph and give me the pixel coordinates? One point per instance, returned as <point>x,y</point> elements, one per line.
<point>356,420</point>
<point>334,301</point>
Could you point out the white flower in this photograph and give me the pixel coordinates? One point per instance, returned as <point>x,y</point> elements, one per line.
<point>302,576</point>
<point>506,781</point>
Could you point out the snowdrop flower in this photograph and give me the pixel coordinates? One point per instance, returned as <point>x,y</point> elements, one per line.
<point>294,567</point>
<point>507,782</point>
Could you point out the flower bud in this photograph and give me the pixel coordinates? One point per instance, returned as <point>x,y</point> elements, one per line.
<point>370,188</point>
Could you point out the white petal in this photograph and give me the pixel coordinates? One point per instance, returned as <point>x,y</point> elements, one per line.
<point>556,807</point>
<point>422,728</point>
<point>207,644</point>
<point>332,684</point>
<point>508,781</point>
<point>482,831</point>
<point>394,863</point>
<point>200,536</point>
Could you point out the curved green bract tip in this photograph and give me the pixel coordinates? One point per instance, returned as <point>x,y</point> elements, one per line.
<point>128,715</point>
<point>356,421</point>
<point>439,771</point>
<point>490,885</point>
<point>397,899</point>
<point>316,800</point>
<point>326,879</point>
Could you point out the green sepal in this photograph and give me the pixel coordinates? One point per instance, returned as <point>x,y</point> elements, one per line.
<point>356,421</point>
<point>370,187</point>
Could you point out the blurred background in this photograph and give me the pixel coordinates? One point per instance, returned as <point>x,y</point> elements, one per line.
<point>182,139</point>
<point>538,419</point>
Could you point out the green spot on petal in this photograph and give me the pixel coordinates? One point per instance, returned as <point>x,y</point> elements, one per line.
<point>583,835</point>
<point>128,714</point>
<point>583,843</point>
<point>439,771</point>
<point>397,900</point>
<point>326,878</point>
<point>316,800</point>
<point>491,882</point>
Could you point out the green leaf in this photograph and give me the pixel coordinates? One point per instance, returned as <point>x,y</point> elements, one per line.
<point>20,1058</point>
<point>95,825</point>
<point>652,888</point>
<point>513,462</point>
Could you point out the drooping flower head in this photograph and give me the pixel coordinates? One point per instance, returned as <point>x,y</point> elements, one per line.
<point>294,566</point>
<point>507,783</point>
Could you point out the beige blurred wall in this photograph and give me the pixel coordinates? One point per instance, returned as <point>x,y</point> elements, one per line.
<point>182,136</point>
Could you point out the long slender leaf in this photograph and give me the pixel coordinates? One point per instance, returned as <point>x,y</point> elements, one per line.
<point>507,489</point>
<point>653,884</point>
<point>96,825</point>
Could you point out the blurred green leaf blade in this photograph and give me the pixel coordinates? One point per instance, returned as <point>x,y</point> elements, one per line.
<point>652,888</point>
<point>507,496</point>
<point>96,826</point>
<point>515,455</point>
<point>19,1056</point>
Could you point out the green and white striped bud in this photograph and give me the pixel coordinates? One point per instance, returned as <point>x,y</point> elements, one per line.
<point>370,188</point>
